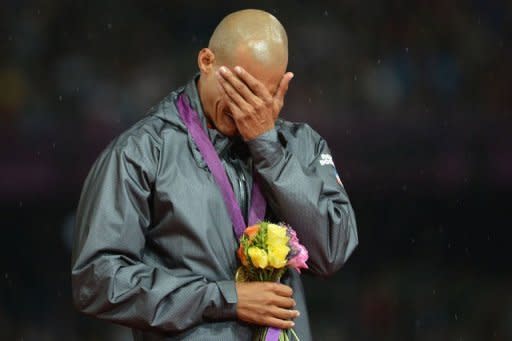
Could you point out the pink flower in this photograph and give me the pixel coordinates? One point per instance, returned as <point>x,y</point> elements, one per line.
<point>299,261</point>
<point>298,254</point>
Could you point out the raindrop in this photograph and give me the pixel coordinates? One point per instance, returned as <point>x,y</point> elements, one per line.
<point>355,77</point>
<point>60,98</point>
<point>21,204</point>
<point>309,99</point>
<point>53,145</point>
<point>456,317</point>
<point>109,26</point>
<point>434,292</point>
<point>77,89</point>
<point>406,50</point>
<point>6,275</point>
<point>326,13</point>
<point>378,61</point>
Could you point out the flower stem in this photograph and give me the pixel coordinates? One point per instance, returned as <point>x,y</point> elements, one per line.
<point>294,334</point>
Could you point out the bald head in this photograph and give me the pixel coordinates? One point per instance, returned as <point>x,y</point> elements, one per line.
<point>255,34</point>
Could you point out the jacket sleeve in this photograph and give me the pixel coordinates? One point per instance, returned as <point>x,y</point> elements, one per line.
<point>300,185</point>
<point>110,278</point>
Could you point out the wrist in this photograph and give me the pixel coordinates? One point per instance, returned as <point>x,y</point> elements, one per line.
<point>266,149</point>
<point>254,135</point>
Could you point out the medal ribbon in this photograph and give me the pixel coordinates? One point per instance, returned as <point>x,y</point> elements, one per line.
<point>258,204</point>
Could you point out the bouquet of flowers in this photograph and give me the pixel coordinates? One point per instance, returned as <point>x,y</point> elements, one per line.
<point>266,252</point>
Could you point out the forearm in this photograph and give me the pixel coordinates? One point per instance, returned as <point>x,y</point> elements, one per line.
<point>118,289</point>
<point>306,197</point>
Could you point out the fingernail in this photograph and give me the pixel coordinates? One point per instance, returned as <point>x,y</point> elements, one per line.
<point>293,324</point>
<point>292,75</point>
<point>223,69</point>
<point>298,313</point>
<point>238,69</point>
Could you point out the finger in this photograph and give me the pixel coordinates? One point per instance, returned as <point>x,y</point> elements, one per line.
<point>281,289</point>
<point>278,323</point>
<point>285,314</point>
<point>255,85</point>
<point>284,302</point>
<point>283,86</point>
<point>231,93</point>
<point>235,111</point>
<point>229,78</point>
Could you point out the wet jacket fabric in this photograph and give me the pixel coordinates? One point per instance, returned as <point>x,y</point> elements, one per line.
<point>154,245</point>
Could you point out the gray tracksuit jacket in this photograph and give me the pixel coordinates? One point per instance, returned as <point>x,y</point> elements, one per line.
<point>154,245</point>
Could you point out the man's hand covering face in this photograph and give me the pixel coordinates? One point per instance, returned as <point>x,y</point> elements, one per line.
<point>253,108</point>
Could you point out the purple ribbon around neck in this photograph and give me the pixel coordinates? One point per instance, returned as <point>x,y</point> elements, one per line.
<point>258,204</point>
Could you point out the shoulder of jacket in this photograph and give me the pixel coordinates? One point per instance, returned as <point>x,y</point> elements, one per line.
<point>297,130</point>
<point>152,129</point>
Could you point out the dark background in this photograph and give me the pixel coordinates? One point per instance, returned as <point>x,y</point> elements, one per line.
<point>414,98</point>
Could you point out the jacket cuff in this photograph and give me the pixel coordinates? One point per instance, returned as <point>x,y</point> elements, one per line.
<point>228,291</point>
<point>266,150</point>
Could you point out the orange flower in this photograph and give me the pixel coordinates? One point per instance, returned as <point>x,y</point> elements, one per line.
<point>241,256</point>
<point>252,231</point>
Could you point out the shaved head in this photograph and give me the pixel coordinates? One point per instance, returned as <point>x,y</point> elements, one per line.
<point>255,33</point>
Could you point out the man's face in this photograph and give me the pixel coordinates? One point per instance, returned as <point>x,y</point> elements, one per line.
<point>218,110</point>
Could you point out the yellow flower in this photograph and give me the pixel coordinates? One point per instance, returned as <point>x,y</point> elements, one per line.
<point>276,236</point>
<point>277,256</point>
<point>259,257</point>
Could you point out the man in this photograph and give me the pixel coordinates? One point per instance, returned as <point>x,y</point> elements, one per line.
<point>155,248</point>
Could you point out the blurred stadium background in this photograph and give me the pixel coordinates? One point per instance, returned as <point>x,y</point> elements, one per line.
<point>414,98</point>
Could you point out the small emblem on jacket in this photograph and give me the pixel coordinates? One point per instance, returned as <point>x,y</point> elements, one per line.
<point>326,159</point>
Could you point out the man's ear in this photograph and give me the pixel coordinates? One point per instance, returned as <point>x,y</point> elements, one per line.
<point>205,60</point>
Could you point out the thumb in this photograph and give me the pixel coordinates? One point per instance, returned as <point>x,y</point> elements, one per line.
<point>283,86</point>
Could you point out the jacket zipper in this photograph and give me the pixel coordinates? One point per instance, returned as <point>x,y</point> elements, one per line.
<point>242,187</point>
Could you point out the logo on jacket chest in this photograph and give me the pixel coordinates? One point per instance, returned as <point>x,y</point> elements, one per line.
<point>326,159</point>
